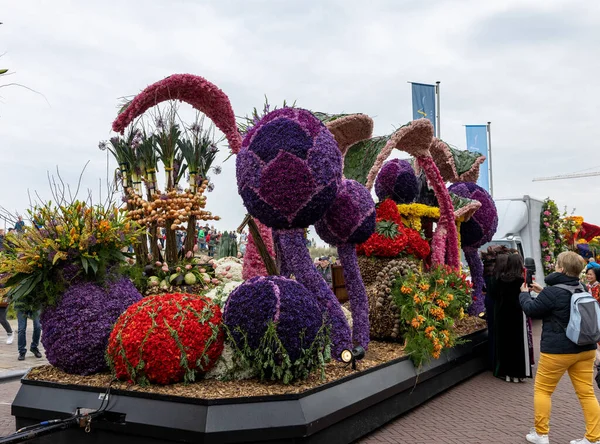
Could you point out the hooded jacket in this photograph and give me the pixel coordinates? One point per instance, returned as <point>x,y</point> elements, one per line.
<point>553,306</point>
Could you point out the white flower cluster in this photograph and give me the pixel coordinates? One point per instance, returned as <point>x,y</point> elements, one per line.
<point>229,269</point>
<point>226,367</point>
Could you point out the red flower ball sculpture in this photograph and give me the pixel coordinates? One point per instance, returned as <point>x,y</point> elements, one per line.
<point>165,339</point>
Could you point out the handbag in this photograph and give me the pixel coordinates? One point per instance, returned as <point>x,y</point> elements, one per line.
<point>598,377</point>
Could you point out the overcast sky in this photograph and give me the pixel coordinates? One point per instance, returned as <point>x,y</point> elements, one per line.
<point>528,66</point>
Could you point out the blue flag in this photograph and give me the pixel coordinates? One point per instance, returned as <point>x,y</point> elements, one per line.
<point>423,102</point>
<point>477,141</point>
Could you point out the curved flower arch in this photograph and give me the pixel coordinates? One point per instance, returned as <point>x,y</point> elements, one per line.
<point>195,90</point>
<point>415,138</point>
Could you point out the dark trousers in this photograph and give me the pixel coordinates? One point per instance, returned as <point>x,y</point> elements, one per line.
<point>3,320</point>
<point>37,331</point>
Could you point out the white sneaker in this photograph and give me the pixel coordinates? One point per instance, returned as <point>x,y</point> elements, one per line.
<point>533,437</point>
<point>10,338</point>
<point>584,441</point>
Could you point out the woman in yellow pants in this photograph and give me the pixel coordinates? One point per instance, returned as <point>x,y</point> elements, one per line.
<point>559,354</point>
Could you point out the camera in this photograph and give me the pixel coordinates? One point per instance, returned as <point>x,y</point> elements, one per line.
<point>529,270</point>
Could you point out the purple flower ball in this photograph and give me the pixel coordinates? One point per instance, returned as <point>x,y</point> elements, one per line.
<point>289,169</point>
<point>75,331</point>
<point>397,180</point>
<point>483,224</point>
<point>252,305</point>
<point>351,217</point>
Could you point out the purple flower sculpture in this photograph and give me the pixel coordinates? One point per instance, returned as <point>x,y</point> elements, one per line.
<point>76,330</point>
<point>350,220</point>
<point>286,303</point>
<point>289,169</point>
<point>397,181</point>
<point>288,173</point>
<point>474,233</point>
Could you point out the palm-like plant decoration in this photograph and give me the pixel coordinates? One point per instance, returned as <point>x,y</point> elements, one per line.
<point>147,157</point>
<point>199,151</point>
<point>120,148</point>
<point>130,152</point>
<point>167,135</point>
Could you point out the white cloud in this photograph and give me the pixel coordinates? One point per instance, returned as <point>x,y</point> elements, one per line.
<point>527,66</point>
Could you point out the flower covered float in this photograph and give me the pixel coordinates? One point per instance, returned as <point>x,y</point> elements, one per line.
<point>289,171</point>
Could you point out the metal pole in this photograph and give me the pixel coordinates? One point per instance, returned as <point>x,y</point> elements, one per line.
<point>489,131</point>
<point>437,94</point>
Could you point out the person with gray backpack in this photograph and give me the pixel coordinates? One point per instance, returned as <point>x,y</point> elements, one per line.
<point>570,331</point>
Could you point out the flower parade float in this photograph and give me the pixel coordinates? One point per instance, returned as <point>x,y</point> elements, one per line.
<point>259,349</point>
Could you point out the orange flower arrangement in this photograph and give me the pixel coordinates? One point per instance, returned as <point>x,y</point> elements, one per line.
<point>437,313</point>
<point>429,304</point>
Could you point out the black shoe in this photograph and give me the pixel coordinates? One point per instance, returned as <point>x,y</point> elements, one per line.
<point>36,353</point>
<point>21,356</point>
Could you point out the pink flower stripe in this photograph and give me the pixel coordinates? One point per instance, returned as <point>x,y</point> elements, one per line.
<point>195,90</point>
<point>253,263</point>
<point>445,240</point>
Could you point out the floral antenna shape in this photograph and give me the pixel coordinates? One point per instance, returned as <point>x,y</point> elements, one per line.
<point>349,129</point>
<point>195,90</point>
<point>413,138</point>
<point>455,165</point>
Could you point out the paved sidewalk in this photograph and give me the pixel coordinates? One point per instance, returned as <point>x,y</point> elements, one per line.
<point>9,353</point>
<point>8,391</point>
<point>485,410</point>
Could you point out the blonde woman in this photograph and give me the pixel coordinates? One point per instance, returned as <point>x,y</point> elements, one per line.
<point>559,354</point>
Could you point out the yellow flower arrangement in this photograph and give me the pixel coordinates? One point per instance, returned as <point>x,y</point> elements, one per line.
<point>419,210</point>
<point>413,213</point>
<point>88,238</point>
<point>577,220</point>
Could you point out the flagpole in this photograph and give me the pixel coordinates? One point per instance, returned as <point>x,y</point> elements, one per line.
<point>437,94</point>
<point>489,131</point>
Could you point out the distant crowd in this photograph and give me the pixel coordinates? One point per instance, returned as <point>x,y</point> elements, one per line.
<point>22,315</point>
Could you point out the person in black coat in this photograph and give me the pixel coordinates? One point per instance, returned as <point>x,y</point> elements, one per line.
<point>490,263</point>
<point>558,353</point>
<point>511,340</point>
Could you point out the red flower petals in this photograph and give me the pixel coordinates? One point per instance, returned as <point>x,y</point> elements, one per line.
<point>165,339</point>
<point>407,241</point>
